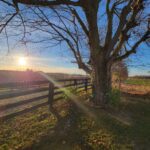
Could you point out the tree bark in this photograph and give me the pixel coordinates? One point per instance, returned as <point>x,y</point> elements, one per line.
<point>101,79</point>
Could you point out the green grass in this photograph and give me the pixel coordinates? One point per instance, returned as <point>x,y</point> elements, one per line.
<point>23,131</point>
<point>124,129</point>
<point>134,81</point>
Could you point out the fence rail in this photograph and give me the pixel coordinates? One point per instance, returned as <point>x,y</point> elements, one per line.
<point>39,93</point>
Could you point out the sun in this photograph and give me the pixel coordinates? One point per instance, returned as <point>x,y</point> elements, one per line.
<point>22,61</point>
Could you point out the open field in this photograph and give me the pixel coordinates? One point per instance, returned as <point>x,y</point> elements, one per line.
<point>125,127</point>
<point>137,81</point>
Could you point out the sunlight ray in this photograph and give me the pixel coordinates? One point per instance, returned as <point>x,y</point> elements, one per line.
<point>72,97</point>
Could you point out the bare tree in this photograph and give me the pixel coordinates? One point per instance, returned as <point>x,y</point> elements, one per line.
<point>99,33</point>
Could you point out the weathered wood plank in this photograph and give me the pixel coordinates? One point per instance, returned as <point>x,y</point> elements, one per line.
<point>9,116</point>
<point>20,103</point>
<point>22,93</point>
<point>84,83</point>
<point>19,84</point>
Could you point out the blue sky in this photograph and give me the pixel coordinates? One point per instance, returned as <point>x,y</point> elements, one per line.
<point>38,58</point>
<point>139,63</point>
<point>58,58</point>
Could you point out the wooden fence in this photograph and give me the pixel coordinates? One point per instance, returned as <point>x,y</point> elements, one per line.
<point>22,97</point>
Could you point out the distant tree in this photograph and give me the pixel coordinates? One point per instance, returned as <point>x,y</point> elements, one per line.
<point>100,31</point>
<point>120,70</point>
<point>29,69</point>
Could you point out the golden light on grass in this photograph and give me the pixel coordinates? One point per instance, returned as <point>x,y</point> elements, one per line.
<point>67,92</point>
<point>22,61</point>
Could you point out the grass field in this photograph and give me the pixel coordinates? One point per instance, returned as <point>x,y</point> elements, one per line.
<point>126,127</point>
<point>136,81</point>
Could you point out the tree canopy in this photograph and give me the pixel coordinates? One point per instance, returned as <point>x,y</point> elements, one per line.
<point>97,32</point>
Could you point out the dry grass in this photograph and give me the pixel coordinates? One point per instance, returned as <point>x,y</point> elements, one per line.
<point>135,89</point>
<point>125,128</point>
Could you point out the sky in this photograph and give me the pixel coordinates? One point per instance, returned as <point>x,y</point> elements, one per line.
<point>58,59</point>
<point>139,63</point>
<point>37,58</point>
<point>55,60</point>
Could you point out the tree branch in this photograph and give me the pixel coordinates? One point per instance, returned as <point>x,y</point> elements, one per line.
<point>8,3</point>
<point>4,25</point>
<point>47,3</point>
<point>133,50</point>
<point>124,13</point>
<point>74,12</point>
<point>109,24</point>
<point>131,23</point>
<point>71,41</point>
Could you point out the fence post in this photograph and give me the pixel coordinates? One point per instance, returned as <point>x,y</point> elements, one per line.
<point>75,83</point>
<point>86,84</point>
<point>51,94</point>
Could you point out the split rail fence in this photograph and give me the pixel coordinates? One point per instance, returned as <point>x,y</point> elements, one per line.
<point>22,97</point>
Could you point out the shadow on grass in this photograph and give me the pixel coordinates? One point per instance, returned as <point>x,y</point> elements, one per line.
<point>126,128</point>
<point>130,124</point>
<point>137,96</point>
<point>66,135</point>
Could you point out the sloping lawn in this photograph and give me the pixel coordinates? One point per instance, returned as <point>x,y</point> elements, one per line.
<point>125,128</point>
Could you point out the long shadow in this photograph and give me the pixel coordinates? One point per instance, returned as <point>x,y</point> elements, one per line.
<point>137,134</point>
<point>144,96</point>
<point>66,135</point>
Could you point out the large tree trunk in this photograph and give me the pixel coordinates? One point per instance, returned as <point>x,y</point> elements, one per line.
<point>101,69</point>
<point>101,82</point>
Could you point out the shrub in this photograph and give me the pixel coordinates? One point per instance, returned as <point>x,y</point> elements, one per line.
<point>114,97</point>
